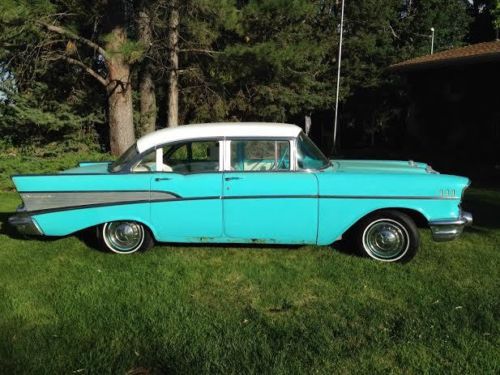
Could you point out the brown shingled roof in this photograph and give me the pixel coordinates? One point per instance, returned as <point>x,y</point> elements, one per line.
<point>480,52</point>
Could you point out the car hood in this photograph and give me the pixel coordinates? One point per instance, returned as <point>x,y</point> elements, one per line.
<point>381,166</point>
<point>84,168</point>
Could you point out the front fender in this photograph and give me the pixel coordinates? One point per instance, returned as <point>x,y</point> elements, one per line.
<point>338,215</point>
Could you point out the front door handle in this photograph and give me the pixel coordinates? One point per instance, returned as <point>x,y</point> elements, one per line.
<point>232,178</point>
<point>162,178</point>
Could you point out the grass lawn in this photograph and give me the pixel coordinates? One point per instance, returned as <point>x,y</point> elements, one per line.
<point>66,308</point>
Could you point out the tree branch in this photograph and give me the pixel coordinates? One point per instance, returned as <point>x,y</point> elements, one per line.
<point>89,70</point>
<point>61,31</point>
<point>199,50</point>
<point>392,30</point>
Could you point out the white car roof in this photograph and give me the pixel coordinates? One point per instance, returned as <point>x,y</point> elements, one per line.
<point>221,129</point>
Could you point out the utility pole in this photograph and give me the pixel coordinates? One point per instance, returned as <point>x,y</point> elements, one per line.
<point>338,78</point>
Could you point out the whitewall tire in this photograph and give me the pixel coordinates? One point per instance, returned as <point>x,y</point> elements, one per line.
<point>387,236</point>
<point>124,237</point>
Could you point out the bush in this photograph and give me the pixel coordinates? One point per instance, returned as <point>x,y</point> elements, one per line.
<point>18,162</point>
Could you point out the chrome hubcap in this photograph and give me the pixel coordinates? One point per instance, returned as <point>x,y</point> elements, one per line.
<point>123,236</point>
<point>386,239</point>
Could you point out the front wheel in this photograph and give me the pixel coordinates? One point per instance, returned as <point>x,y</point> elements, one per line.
<point>388,236</point>
<point>124,237</point>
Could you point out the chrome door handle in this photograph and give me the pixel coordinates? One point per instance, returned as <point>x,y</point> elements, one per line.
<point>162,178</point>
<point>232,178</point>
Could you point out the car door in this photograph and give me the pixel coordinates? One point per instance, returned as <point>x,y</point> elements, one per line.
<point>264,200</point>
<point>186,191</point>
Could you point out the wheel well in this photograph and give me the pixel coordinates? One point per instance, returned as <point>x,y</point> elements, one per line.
<point>419,219</point>
<point>146,226</point>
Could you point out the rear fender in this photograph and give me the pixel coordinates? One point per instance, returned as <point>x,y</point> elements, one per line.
<point>64,222</point>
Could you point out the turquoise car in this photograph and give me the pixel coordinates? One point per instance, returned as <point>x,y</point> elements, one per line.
<point>243,183</point>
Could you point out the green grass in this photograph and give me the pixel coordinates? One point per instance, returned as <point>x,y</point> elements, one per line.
<point>66,308</point>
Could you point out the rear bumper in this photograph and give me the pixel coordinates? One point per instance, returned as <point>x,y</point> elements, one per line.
<point>25,224</point>
<point>449,229</point>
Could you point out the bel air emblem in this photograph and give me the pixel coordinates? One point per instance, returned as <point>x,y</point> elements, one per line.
<point>447,193</point>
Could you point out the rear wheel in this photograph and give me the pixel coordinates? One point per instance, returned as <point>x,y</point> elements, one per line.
<point>124,237</point>
<point>388,236</point>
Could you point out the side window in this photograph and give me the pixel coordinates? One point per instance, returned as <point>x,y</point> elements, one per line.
<point>198,156</point>
<point>260,155</point>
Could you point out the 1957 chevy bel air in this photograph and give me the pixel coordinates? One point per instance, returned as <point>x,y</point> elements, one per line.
<point>243,183</point>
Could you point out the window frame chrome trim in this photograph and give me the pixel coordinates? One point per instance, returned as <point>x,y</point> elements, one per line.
<point>191,140</point>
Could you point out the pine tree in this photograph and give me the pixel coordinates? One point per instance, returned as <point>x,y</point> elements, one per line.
<point>277,63</point>
<point>89,39</point>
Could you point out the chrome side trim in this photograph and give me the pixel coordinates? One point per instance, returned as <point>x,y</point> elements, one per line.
<point>99,205</point>
<point>449,229</point>
<point>387,197</point>
<point>25,224</point>
<point>37,201</point>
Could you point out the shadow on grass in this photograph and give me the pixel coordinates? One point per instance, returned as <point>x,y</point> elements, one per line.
<point>485,208</point>
<point>88,237</point>
<point>7,229</point>
<point>11,232</point>
<point>346,247</point>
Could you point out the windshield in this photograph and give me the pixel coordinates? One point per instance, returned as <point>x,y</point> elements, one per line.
<point>125,159</point>
<point>309,155</point>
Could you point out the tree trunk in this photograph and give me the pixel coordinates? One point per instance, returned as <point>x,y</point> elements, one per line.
<point>119,89</point>
<point>147,122</point>
<point>173,75</point>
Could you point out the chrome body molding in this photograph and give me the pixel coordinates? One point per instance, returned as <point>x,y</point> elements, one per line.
<point>35,203</point>
<point>449,229</point>
<point>38,201</point>
<point>25,224</point>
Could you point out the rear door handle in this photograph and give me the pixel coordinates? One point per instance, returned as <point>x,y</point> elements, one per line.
<point>162,178</point>
<point>232,178</point>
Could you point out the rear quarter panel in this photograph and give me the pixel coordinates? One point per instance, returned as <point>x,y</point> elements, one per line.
<point>61,221</point>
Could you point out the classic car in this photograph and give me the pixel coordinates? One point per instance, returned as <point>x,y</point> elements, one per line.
<point>243,183</point>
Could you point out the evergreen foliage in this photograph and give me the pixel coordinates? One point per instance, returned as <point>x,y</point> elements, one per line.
<point>272,60</point>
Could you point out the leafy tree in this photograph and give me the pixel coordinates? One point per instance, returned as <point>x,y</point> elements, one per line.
<point>496,18</point>
<point>486,20</point>
<point>277,64</point>
<point>70,66</point>
<point>147,88</point>
<point>92,38</point>
<point>379,33</point>
<point>450,20</point>
<point>40,101</point>
<point>199,33</point>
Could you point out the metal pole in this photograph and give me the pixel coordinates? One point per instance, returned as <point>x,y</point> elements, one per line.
<point>338,77</point>
<point>432,40</point>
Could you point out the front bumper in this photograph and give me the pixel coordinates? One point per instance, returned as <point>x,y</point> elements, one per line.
<point>449,229</point>
<point>25,224</point>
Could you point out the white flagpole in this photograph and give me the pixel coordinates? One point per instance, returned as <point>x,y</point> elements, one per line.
<point>338,77</point>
